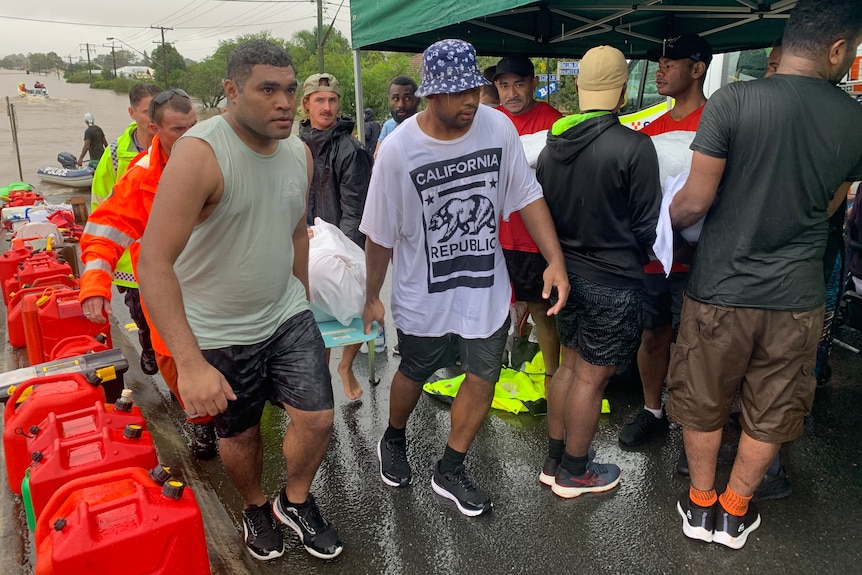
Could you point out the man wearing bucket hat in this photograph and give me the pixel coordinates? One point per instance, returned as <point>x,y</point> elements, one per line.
<point>441,183</point>
<point>601,182</point>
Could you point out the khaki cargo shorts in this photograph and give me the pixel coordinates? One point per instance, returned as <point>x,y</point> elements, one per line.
<point>767,356</point>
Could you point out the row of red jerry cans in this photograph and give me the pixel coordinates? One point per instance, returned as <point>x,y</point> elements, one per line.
<point>62,446</point>
<point>22,197</point>
<point>22,267</point>
<point>44,313</point>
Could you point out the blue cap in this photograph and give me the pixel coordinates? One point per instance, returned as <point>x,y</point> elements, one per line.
<point>449,67</point>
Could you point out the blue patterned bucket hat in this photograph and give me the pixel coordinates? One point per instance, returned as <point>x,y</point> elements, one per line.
<point>449,67</point>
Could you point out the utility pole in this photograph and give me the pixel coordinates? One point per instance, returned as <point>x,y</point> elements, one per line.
<point>89,66</point>
<point>113,58</point>
<point>320,36</point>
<point>164,52</point>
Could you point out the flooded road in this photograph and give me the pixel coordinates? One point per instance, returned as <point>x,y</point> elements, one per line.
<point>48,126</point>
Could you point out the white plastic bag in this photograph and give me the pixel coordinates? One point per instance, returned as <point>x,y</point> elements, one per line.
<point>336,274</point>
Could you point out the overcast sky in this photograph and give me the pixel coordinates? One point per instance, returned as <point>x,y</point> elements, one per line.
<point>64,26</point>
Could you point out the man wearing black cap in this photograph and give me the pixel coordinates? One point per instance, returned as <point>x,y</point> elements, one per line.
<point>516,82</point>
<point>680,75</point>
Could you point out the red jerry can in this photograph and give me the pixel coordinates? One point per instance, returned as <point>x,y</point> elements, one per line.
<point>57,393</point>
<point>60,317</point>
<point>70,458</point>
<point>33,269</point>
<point>9,261</point>
<point>14,317</point>
<point>77,345</point>
<point>121,522</point>
<point>84,421</point>
<point>23,198</point>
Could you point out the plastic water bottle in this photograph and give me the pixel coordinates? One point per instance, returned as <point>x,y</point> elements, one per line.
<point>380,340</point>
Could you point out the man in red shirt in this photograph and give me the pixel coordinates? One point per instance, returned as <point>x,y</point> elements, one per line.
<point>681,74</point>
<point>516,82</point>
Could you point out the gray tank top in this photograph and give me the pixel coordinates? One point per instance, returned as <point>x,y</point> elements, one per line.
<point>236,272</point>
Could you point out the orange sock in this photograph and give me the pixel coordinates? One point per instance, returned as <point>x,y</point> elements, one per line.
<point>734,503</point>
<point>702,498</point>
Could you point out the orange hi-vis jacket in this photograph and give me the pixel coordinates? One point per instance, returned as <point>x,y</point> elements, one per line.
<point>118,223</point>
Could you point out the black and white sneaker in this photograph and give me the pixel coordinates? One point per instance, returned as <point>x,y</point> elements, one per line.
<point>262,535</point>
<point>697,522</point>
<point>732,530</point>
<point>644,426</point>
<point>318,536</point>
<point>394,468</point>
<point>458,487</point>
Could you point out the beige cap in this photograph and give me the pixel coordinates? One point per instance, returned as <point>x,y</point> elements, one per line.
<point>602,75</point>
<point>320,83</point>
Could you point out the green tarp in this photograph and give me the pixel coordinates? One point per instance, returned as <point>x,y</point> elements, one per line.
<point>564,28</point>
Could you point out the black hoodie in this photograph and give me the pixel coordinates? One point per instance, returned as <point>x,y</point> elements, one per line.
<point>601,183</point>
<point>342,171</point>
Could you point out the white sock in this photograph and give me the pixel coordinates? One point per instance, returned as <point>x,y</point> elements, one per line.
<point>657,413</point>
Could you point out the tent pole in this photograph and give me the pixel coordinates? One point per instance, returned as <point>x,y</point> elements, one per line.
<point>360,107</point>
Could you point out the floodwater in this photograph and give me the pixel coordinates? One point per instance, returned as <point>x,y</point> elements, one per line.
<point>48,126</point>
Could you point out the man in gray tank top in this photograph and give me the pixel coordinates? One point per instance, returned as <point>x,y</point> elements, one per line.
<point>226,230</point>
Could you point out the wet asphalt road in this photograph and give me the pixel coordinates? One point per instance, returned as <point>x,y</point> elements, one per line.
<point>633,529</point>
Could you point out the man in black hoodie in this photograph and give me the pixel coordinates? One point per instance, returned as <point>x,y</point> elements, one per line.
<point>601,183</point>
<point>342,170</point>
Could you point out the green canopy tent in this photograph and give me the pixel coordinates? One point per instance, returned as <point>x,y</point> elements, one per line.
<point>561,28</point>
<point>565,28</point>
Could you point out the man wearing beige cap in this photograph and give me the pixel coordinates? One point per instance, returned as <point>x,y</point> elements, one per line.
<point>601,183</point>
<point>342,169</point>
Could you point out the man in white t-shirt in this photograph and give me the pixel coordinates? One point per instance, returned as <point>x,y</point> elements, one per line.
<point>440,184</point>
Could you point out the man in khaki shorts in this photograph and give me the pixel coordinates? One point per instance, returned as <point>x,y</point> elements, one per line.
<point>753,311</point>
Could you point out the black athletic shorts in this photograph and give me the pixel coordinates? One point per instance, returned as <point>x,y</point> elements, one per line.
<point>525,272</point>
<point>422,356</point>
<point>290,367</point>
<point>663,299</point>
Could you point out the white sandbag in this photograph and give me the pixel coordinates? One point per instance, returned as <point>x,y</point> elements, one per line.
<point>663,246</point>
<point>533,146</point>
<point>336,274</point>
<point>674,153</point>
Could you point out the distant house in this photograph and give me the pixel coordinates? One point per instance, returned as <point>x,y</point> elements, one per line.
<point>136,72</point>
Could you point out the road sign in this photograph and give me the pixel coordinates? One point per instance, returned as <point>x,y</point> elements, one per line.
<point>545,91</point>
<point>568,68</point>
<point>546,77</point>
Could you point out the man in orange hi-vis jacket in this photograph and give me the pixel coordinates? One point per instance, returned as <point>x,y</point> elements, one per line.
<point>119,222</point>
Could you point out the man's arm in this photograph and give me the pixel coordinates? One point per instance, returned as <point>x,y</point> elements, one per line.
<point>838,198</point>
<point>539,223</point>
<point>191,182</point>
<point>376,263</point>
<point>697,195</point>
<point>301,235</point>
<point>84,151</point>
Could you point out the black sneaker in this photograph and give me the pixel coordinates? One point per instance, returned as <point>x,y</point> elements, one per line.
<point>148,362</point>
<point>394,468</point>
<point>597,478</point>
<point>458,487</point>
<point>697,522</point>
<point>642,427</point>
<point>773,487</point>
<point>732,530</point>
<point>262,535</point>
<point>317,535</point>
<point>549,469</point>
<point>204,442</point>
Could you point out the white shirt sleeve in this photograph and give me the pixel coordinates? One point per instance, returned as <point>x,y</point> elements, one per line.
<point>521,187</point>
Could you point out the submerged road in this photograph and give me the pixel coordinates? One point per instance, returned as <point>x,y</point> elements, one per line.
<point>633,529</point>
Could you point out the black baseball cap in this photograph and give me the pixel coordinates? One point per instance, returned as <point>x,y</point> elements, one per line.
<point>685,46</point>
<point>516,64</point>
